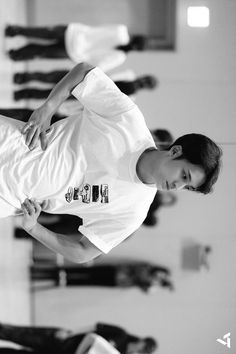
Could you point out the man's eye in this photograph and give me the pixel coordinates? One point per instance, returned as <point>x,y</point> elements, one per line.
<point>189,188</point>
<point>184,176</point>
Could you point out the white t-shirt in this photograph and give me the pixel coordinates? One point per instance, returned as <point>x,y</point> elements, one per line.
<point>96,44</point>
<point>101,346</point>
<point>89,167</point>
<point>71,107</point>
<point>125,75</point>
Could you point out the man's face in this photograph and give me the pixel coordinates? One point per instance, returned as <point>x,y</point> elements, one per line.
<point>176,174</point>
<point>137,347</point>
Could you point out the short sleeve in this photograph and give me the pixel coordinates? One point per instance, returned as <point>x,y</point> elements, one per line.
<point>101,346</point>
<point>106,234</point>
<point>98,93</point>
<point>110,60</point>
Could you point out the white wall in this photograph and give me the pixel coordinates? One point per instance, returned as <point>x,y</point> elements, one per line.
<point>196,93</point>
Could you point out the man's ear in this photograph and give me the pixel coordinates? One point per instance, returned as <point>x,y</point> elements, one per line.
<point>176,151</point>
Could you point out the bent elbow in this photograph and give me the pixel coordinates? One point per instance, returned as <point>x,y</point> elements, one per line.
<point>78,256</point>
<point>79,260</point>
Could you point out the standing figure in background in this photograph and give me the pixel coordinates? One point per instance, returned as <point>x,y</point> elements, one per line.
<point>91,344</point>
<point>144,275</point>
<point>127,82</point>
<point>103,46</point>
<point>53,340</point>
<point>23,114</point>
<point>130,84</point>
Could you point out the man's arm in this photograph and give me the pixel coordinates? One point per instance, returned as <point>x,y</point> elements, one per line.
<point>40,120</point>
<point>76,248</point>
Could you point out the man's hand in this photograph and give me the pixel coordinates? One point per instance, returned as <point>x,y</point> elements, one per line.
<point>40,120</point>
<point>36,128</point>
<point>31,210</point>
<point>77,248</point>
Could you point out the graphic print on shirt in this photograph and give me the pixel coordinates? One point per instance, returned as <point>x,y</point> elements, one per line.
<point>87,193</point>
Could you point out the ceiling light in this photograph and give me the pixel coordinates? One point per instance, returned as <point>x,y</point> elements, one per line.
<point>198,16</point>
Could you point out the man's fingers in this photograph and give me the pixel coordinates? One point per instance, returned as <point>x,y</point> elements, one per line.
<point>34,140</point>
<point>30,134</point>
<point>44,203</point>
<point>24,209</point>
<point>26,127</point>
<point>43,140</point>
<point>30,206</point>
<point>35,131</point>
<point>37,207</point>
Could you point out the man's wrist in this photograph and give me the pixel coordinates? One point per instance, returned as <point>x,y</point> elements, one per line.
<point>47,109</point>
<point>31,229</point>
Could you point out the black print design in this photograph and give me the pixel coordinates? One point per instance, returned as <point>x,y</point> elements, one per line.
<point>95,194</point>
<point>85,192</point>
<point>104,193</point>
<point>69,195</point>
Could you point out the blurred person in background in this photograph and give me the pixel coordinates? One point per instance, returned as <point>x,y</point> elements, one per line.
<point>145,276</point>
<point>129,87</point>
<point>91,344</point>
<point>103,46</point>
<point>45,340</point>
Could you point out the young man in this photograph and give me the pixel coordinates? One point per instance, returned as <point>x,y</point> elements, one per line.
<point>102,165</point>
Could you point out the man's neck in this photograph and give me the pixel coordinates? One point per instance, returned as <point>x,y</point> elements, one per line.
<point>144,165</point>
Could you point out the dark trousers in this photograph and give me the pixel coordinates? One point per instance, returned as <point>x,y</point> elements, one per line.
<point>55,50</point>
<point>104,275</point>
<point>23,114</point>
<point>51,77</point>
<point>51,33</point>
<point>35,93</point>
<point>41,340</point>
<point>129,88</point>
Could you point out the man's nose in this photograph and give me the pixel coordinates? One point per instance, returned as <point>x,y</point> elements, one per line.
<point>179,185</point>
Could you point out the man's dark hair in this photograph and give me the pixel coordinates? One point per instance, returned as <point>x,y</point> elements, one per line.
<point>150,345</point>
<point>147,81</point>
<point>199,150</point>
